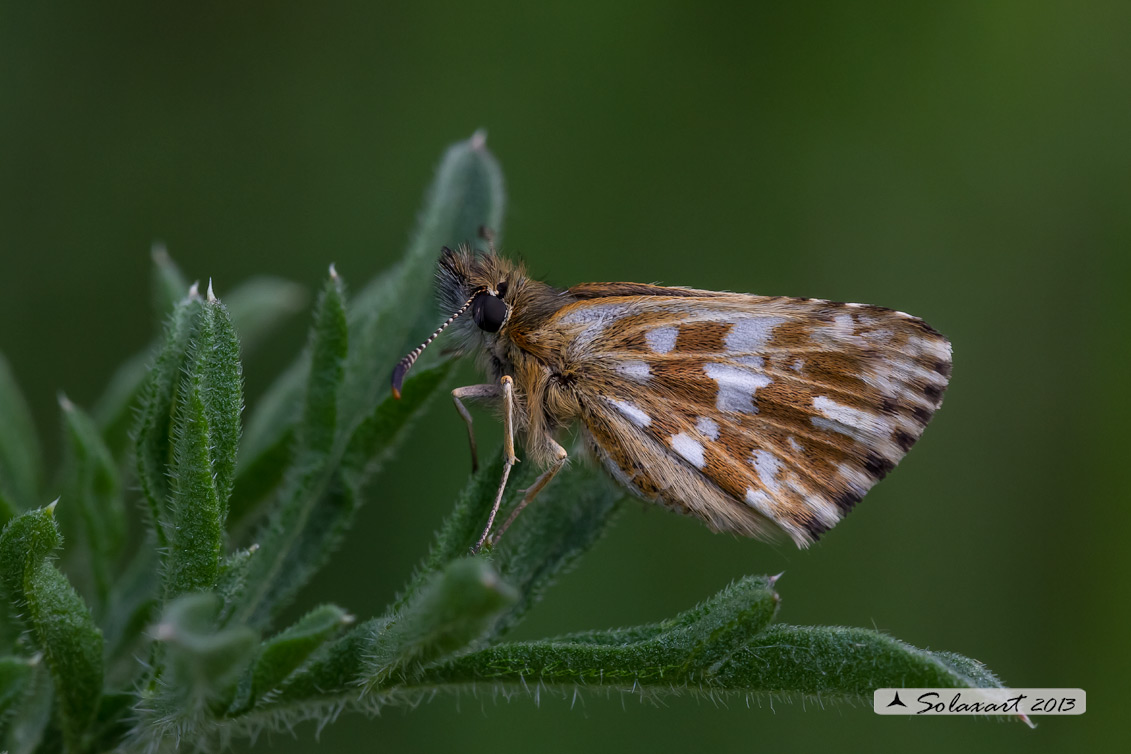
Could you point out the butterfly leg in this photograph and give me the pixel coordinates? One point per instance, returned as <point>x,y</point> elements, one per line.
<point>560,458</point>
<point>473,392</point>
<point>506,385</point>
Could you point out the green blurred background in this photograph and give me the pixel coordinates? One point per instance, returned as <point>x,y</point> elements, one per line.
<point>967,162</point>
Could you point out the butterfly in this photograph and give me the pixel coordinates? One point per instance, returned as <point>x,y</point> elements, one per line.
<point>759,415</point>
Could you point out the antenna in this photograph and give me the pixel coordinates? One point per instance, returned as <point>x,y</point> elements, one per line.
<point>406,363</point>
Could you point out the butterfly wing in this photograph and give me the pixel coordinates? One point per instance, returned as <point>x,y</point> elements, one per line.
<point>753,413</point>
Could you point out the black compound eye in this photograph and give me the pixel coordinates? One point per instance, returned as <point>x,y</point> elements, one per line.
<point>502,288</point>
<point>488,312</point>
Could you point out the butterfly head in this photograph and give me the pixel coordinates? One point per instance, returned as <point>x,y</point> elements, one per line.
<point>478,290</point>
<point>485,280</point>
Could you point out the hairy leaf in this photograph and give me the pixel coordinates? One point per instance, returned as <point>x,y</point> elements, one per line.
<point>16,674</point>
<point>282,654</point>
<point>153,447</point>
<point>565,520</point>
<point>93,488</point>
<point>721,646</point>
<point>20,463</point>
<point>284,558</point>
<point>24,730</point>
<point>455,608</point>
<point>206,433</point>
<point>256,307</point>
<point>61,627</point>
<point>204,661</point>
<point>390,315</point>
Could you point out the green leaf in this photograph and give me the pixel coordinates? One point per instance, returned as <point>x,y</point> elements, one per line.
<point>561,524</point>
<point>20,462</point>
<point>268,442</point>
<point>214,367</point>
<point>284,653</point>
<point>724,645</point>
<point>206,433</point>
<point>386,319</point>
<point>377,436</point>
<point>92,485</point>
<point>329,345</point>
<point>453,609</point>
<point>29,719</point>
<point>61,625</point>
<point>284,560</point>
<point>204,662</point>
<point>26,540</point>
<point>232,582</point>
<point>550,535</point>
<point>16,674</point>
<point>390,315</point>
<point>255,306</point>
<point>133,606</point>
<point>153,448</point>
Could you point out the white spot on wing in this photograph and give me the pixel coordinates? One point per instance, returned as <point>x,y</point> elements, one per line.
<point>736,387</point>
<point>761,502</point>
<point>767,465</point>
<point>794,445</point>
<point>845,419</point>
<point>661,339</point>
<point>637,370</point>
<point>856,479</point>
<point>844,323</point>
<point>595,318</point>
<point>690,448</point>
<point>751,335</point>
<point>707,427</point>
<point>631,412</point>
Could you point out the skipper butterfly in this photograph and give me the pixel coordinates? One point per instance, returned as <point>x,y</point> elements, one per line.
<point>755,414</point>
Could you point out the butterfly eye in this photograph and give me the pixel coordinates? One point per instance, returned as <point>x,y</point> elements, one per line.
<point>502,288</point>
<point>488,312</point>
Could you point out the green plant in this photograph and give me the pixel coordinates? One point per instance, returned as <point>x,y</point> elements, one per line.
<point>201,615</point>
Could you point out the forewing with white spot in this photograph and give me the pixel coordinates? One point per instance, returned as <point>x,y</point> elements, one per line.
<point>753,413</point>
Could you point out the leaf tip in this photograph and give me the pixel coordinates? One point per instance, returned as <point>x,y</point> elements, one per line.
<point>333,272</point>
<point>774,579</point>
<point>478,140</point>
<point>51,507</point>
<point>211,294</point>
<point>194,289</point>
<point>65,402</point>
<point>159,254</point>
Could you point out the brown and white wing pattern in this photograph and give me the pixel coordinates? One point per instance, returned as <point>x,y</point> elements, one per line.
<point>752,413</point>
